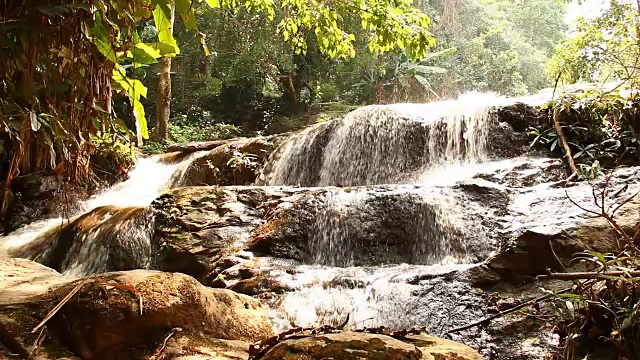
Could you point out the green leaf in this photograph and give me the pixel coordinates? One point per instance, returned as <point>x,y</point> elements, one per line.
<point>423,69</point>
<point>213,3</point>
<point>203,37</point>
<point>437,54</point>
<point>185,9</point>
<point>169,50</point>
<point>102,38</point>
<point>143,54</point>
<point>162,19</point>
<point>141,120</point>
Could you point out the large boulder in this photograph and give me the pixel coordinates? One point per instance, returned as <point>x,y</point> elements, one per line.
<point>191,347</point>
<point>233,163</point>
<point>108,238</point>
<point>551,228</point>
<point>374,225</point>
<point>21,279</point>
<point>356,345</point>
<point>129,315</point>
<point>434,348</point>
<point>196,227</point>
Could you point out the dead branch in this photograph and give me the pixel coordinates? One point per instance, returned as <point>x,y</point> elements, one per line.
<point>508,311</point>
<point>565,143</point>
<point>604,275</point>
<point>61,303</point>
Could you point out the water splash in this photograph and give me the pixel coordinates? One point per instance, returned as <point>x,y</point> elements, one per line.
<point>386,144</point>
<point>390,296</point>
<point>374,226</point>
<point>150,177</point>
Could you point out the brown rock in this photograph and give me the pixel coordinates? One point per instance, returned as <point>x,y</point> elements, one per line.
<point>201,227</point>
<point>121,235</point>
<point>344,346</point>
<point>127,315</point>
<point>215,168</point>
<point>198,145</point>
<point>259,285</point>
<point>22,279</point>
<point>434,348</point>
<point>181,347</point>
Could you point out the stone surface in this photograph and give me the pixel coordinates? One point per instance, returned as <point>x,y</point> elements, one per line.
<point>356,345</point>
<point>198,145</point>
<point>215,167</point>
<point>197,227</point>
<point>375,225</point>
<point>181,347</point>
<point>105,239</point>
<point>344,346</point>
<point>128,315</point>
<point>434,348</point>
<point>22,279</point>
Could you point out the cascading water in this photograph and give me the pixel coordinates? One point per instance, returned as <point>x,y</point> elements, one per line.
<point>116,216</point>
<point>385,144</point>
<point>362,241</point>
<point>373,249</point>
<point>419,225</point>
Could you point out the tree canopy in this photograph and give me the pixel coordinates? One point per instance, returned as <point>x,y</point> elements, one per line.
<point>64,62</point>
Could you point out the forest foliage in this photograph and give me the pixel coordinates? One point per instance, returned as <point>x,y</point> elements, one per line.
<point>71,70</point>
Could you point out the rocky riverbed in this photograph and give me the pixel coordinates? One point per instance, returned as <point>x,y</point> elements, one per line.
<point>230,255</point>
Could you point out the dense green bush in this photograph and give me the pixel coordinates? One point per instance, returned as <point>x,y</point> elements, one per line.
<point>601,126</point>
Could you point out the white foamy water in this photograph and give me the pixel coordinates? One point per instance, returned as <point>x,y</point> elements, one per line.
<point>150,177</point>
<point>370,296</point>
<point>386,144</point>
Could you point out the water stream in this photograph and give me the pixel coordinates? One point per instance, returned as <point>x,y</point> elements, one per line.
<point>427,147</point>
<point>121,216</point>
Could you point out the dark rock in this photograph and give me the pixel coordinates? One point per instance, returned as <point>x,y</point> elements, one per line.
<point>521,116</point>
<point>218,168</point>
<point>199,145</point>
<point>199,228</point>
<point>259,285</point>
<point>105,239</point>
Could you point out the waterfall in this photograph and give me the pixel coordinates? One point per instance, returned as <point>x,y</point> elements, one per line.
<point>364,226</point>
<point>112,226</point>
<point>385,144</point>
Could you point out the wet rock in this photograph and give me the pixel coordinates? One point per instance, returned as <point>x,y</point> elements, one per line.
<point>434,348</point>
<point>219,168</point>
<point>199,145</point>
<point>344,346</point>
<point>355,345</point>
<point>503,142</point>
<point>525,172</point>
<point>108,238</point>
<point>128,315</point>
<point>35,197</point>
<point>556,234</point>
<point>375,225</point>
<point>259,285</point>
<point>181,347</point>
<point>198,228</point>
<point>521,116</point>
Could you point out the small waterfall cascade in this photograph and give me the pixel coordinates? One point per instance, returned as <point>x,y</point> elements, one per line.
<point>374,249</point>
<point>406,225</point>
<point>385,144</point>
<point>119,216</point>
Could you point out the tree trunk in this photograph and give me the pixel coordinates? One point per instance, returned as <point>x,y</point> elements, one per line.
<point>163,96</point>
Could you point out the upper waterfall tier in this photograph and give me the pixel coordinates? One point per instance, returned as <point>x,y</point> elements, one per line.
<point>386,144</point>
